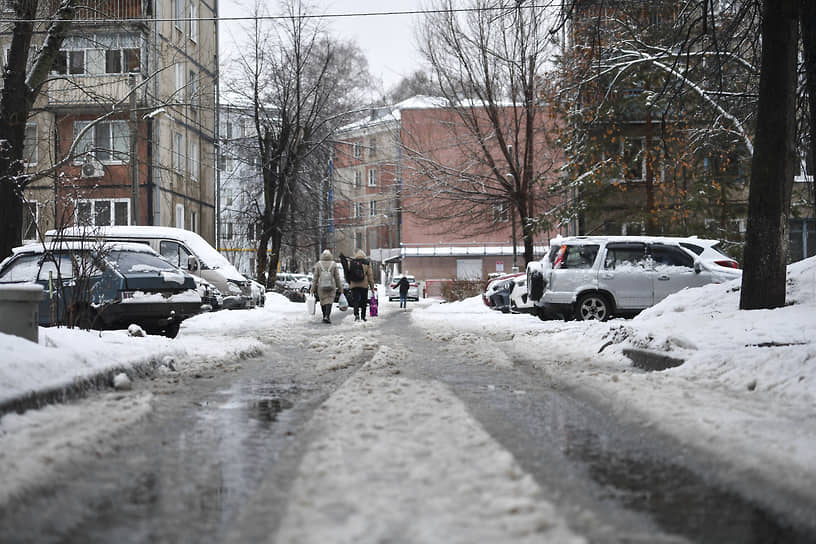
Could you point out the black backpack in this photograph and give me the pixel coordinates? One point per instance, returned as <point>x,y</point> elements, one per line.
<point>356,271</point>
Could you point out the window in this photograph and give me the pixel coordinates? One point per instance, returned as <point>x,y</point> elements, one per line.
<point>625,255</point>
<point>30,218</point>
<point>30,148</point>
<point>194,21</point>
<point>372,177</point>
<point>195,163</point>
<point>358,240</point>
<point>179,216</point>
<point>357,150</point>
<point>193,221</point>
<point>580,256</point>
<point>178,151</point>
<point>358,180</point>
<point>372,148</point>
<point>174,252</point>
<point>179,79</point>
<point>358,209</point>
<point>226,231</point>
<point>178,12</point>
<point>372,208</point>
<point>193,89</point>
<point>803,170</point>
<point>663,255</point>
<point>106,141</point>
<point>102,212</point>
<point>501,212</point>
<point>108,53</point>
<point>635,156</point>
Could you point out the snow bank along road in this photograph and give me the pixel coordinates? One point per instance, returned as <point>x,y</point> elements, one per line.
<point>360,432</point>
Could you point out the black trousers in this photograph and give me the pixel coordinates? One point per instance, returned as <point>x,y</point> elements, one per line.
<point>359,299</point>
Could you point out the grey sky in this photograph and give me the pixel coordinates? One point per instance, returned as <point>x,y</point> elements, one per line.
<point>386,40</point>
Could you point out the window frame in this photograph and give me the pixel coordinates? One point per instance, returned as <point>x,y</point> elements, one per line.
<point>93,212</point>
<point>372,177</point>
<point>114,155</point>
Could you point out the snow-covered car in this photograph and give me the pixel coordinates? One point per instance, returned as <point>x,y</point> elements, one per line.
<point>498,292</point>
<point>108,286</point>
<point>596,277</point>
<point>519,300</point>
<point>392,290</point>
<point>293,282</point>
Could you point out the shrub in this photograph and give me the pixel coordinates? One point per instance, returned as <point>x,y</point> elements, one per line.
<point>461,289</point>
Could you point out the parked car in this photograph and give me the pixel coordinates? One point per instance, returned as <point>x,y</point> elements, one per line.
<point>107,286</point>
<point>294,282</point>
<point>601,276</point>
<point>497,294</point>
<point>392,291</point>
<point>183,248</point>
<point>210,295</point>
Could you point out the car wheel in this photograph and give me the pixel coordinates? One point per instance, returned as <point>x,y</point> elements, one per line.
<point>592,306</point>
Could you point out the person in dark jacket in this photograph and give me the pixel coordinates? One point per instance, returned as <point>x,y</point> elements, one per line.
<point>403,284</point>
<point>359,288</point>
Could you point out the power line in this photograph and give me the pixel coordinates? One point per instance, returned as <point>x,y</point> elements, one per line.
<point>6,20</point>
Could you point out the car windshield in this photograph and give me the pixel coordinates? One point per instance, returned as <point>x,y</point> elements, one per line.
<point>134,261</point>
<point>23,268</point>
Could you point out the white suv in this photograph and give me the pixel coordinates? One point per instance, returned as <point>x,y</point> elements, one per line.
<point>597,277</point>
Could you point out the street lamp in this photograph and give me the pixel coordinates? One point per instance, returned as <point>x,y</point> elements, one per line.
<point>511,179</point>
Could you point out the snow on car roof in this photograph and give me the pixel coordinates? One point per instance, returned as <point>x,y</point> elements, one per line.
<point>89,245</point>
<point>560,240</point>
<point>208,255</point>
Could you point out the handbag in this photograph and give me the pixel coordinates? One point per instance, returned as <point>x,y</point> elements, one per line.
<point>310,304</point>
<point>342,303</point>
<point>373,309</point>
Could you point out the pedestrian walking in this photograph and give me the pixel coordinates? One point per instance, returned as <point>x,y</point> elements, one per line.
<point>403,285</point>
<point>361,279</point>
<point>326,283</point>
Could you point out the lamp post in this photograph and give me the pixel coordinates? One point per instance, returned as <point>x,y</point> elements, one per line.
<point>512,212</point>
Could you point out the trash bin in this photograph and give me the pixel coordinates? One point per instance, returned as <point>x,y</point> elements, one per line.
<point>20,310</point>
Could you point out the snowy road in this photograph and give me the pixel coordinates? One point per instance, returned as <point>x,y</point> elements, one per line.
<point>369,432</point>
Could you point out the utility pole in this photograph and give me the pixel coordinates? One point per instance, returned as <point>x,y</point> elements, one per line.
<point>134,153</point>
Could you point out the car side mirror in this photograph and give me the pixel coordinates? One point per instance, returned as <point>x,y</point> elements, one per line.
<point>698,267</point>
<point>192,263</point>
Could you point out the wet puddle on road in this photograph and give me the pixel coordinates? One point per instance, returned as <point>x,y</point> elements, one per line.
<point>679,500</point>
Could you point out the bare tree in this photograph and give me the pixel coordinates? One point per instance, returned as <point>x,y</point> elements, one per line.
<point>490,64</point>
<point>22,83</point>
<point>299,84</point>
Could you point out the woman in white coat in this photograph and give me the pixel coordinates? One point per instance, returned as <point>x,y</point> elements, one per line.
<point>326,283</point>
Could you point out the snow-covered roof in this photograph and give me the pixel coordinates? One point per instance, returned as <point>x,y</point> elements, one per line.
<point>75,245</point>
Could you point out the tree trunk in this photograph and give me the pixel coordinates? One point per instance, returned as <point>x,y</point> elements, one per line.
<point>260,256</point>
<point>807,18</point>
<point>766,239</point>
<point>274,257</point>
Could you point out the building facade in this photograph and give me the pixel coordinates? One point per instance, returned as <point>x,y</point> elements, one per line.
<point>379,187</point>
<point>126,126</point>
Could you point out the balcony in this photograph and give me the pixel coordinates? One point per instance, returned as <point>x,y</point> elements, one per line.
<point>104,10</point>
<point>89,90</point>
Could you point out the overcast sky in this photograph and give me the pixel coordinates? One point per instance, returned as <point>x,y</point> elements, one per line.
<point>387,40</point>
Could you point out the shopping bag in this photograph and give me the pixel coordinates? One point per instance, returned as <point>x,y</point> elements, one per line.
<point>373,308</point>
<point>310,304</point>
<point>342,303</point>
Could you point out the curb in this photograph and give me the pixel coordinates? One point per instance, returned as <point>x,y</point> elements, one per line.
<point>652,360</point>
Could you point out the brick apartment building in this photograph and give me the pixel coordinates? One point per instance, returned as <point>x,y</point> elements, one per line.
<point>375,182</point>
<point>138,68</point>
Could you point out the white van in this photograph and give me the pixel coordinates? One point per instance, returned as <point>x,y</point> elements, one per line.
<point>183,248</point>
